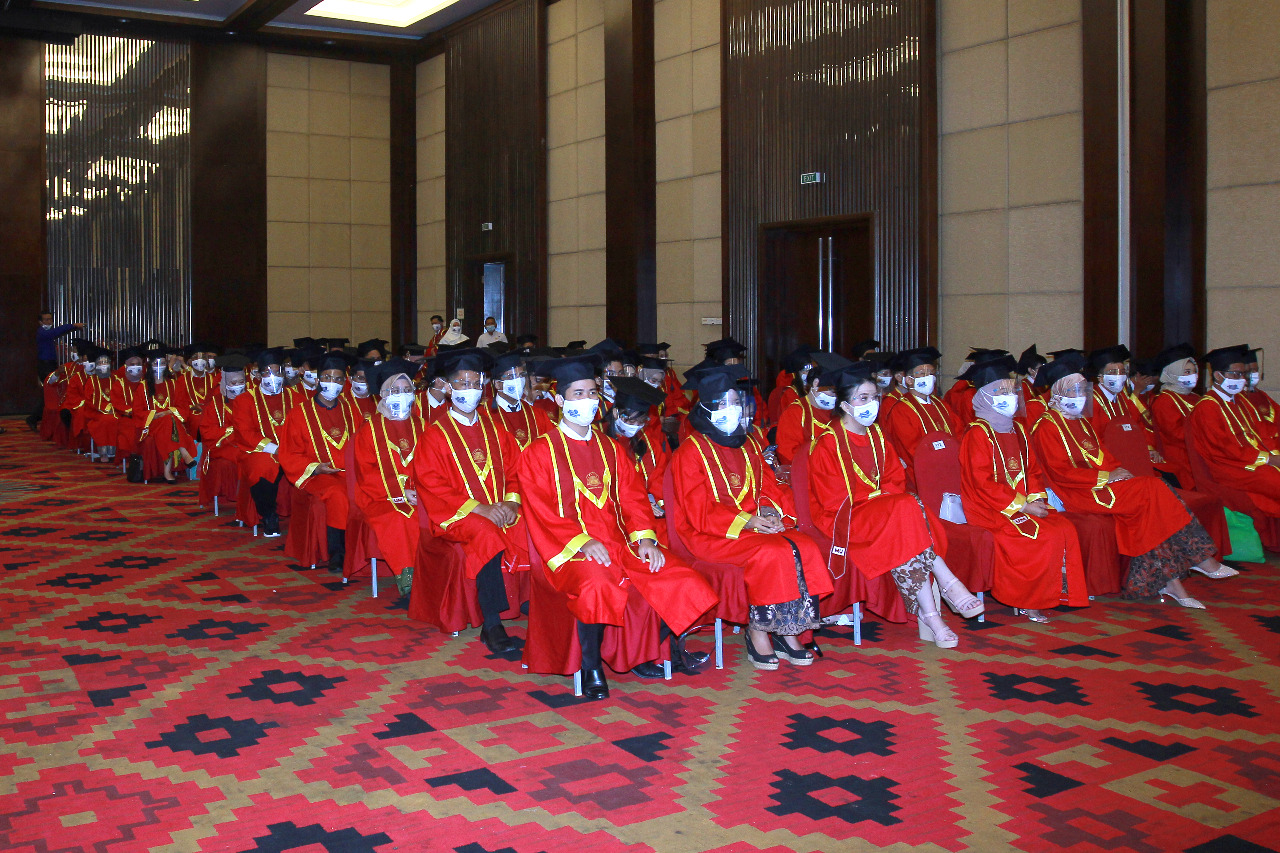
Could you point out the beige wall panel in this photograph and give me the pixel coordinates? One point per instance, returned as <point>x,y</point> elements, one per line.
<point>561,20</point>
<point>562,226</point>
<point>330,201</point>
<point>964,23</point>
<point>370,324</point>
<point>1243,245</point>
<point>370,79</point>
<point>431,157</point>
<point>1241,39</point>
<point>590,110</point>
<point>286,110</point>
<point>1052,321</point>
<point>591,176</point>
<point>562,323</point>
<point>288,289</point>
<point>284,326</point>
<point>704,23</point>
<point>330,245</point>
<point>973,171</point>
<point>673,87</point>
<point>674,144</point>
<point>370,116</point>
<point>674,199</point>
<point>562,118</point>
<point>1046,248</point>
<point>972,321</point>
<point>287,245</point>
<point>705,196</point>
<point>371,160</point>
<point>330,157</point>
<point>706,78</point>
<point>591,323</point>
<point>672,28</point>
<point>431,294</point>
<point>562,172</point>
<point>591,221</point>
<point>431,244</point>
<point>562,280</point>
<point>287,200</point>
<point>371,246</point>
<point>329,324</point>
<point>1244,134</point>
<point>676,326</point>
<point>591,277</point>
<point>974,252</point>
<point>591,55</point>
<point>973,91</point>
<point>675,271</point>
<point>1045,73</point>
<point>432,116</point>
<point>707,262</point>
<point>371,289</point>
<point>433,73</point>
<point>330,75</point>
<point>291,72</point>
<point>430,200</point>
<point>706,142</point>
<point>329,113</point>
<point>590,14</point>
<point>370,203</point>
<point>562,66</point>
<point>1028,15</point>
<point>288,155</point>
<point>1045,161</point>
<point>1234,317</point>
<point>330,289</point>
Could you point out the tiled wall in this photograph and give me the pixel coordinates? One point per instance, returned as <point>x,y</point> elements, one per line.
<point>575,171</point>
<point>687,110</point>
<point>431,209</point>
<point>328,208</point>
<point>1010,173</point>
<point>1243,215</point>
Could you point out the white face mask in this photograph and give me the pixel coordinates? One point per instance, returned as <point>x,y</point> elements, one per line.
<point>104,369</point>
<point>290,371</point>
<point>1114,384</point>
<point>255,373</point>
<point>884,381</point>
<point>626,429</point>
<point>1254,378</point>
<point>580,412</point>
<point>400,405</point>
<point>1146,389</point>
<point>330,390</point>
<point>133,371</point>
<point>234,391</point>
<point>212,363</point>
<point>514,388</point>
<point>272,383</point>
<point>823,400</point>
<point>653,383</point>
<point>1005,404</point>
<point>360,389</point>
<point>157,373</point>
<point>88,366</point>
<point>310,377</point>
<point>1233,386</point>
<point>1071,405</point>
<point>467,400</point>
<point>865,414</point>
<point>199,365</point>
<point>435,327</point>
<point>924,385</point>
<point>726,420</point>
<point>607,391</point>
<point>1189,381</point>
<point>491,329</point>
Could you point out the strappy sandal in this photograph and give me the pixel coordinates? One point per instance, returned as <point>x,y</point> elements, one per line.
<point>1187,602</point>
<point>1033,615</point>
<point>759,661</point>
<point>948,640</point>
<point>799,657</point>
<point>969,612</point>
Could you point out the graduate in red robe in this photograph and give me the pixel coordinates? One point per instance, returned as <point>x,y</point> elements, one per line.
<point>99,414</point>
<point>433,396</point>
<point>511,408</point>
<point>641,439</point>
<point>357,391</point>
<point>77,373</point>
<point>197,384</point>
<point>51,426</point>
<point>670,412</point>
<point>312,445</point>
<point>464,472</point>
<point>384,453</point>
<point>808,417</point>
<point>1153,525</point>
<point>1110,369</point>
<point>919,412</point>
<point>257,417</point>
<point>591,521</point>
<point>1140,389</point>
<point>126,379</point>
<point>1171,407</point>
<point>959,397</point>
<point>159,419</point>
<point>792,382</point>
<point>1038,563</point>
<point>858,498</point>
<point>214,424</point>
<point>733,510</point>
<point>1266,414</point>
<point>437,332</point>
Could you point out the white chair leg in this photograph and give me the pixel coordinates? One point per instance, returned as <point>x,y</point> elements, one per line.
<point>719,644</point>
<point>215,506</point>
<point>577,683</point>
<point>255,530</point>
<point>857,623</point>
<point>373,570</point>
<point>666,670</point>
<point>982,617</point>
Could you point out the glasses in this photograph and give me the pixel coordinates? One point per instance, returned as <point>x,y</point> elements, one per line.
<point>467,384</point>
<point>1233,374</point>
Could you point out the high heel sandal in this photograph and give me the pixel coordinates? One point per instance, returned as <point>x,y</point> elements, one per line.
<point>1224,571</point>
<point>1033,615</point>
<point>942,641</point>
<point>799,657</point>
<point>759,661</point>
<point>967,613</point>
<point>1187,602</point>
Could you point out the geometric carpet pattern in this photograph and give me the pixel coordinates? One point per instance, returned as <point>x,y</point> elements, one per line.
<point>170,683</point>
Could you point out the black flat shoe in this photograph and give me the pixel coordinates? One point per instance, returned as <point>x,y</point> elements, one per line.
<point>495,639</point>
<point>594,685</point>
<point>799,657</point>
<point>759,661</point>
<point>648,670</point>
<point>270,526</point>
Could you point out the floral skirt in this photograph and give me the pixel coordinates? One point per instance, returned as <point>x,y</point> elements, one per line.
<point>911,576</point>
<point>1172,559</point>
<point>790,617</point>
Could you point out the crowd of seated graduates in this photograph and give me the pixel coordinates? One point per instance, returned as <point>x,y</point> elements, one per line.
<point>647,503</point>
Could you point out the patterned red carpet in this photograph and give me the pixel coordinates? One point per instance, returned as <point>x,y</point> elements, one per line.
<point>171,683</point>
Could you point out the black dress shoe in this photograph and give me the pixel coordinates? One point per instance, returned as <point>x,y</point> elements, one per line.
<point>594,685</point>
<point>495,639</point>
<point>271,526</point>
<point>648,670</point>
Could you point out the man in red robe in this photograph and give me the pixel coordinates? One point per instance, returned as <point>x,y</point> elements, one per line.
<point>919,412</point>
<point>511,408</point>
<point>1265,411</point>
<point>311,450</point>
<point>808,417</point>
<point>257,417</point>
<point>590,519</point>
<point>464,471</point>
<point>358,389</point>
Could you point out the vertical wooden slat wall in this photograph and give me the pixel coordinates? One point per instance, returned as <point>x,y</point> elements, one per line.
<point>495,157</point>
<point>839,88</point>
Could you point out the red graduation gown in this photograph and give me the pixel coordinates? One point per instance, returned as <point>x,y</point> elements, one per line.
<point>459,466</point>
<point>720,489</point>
<point>998,475</point>
<point>524,425</point>
<point>1076,463</point>
<point>99,415</point>
<point>122,394</point>
<point>959,398</point>
<point>366,405</point>
<point>159,419</point>
<point>1169,413</point>
<point>652,467</point>
<point>258,420</point>
<point>1263,410</point>
<point>384,452</point>
<point>214,424</point>
<point>578,490</point>
<point>911,420</point>
<point>1226,437</point>
<point>858,498</point>
<point>800,424</point>
<point>315,435</point>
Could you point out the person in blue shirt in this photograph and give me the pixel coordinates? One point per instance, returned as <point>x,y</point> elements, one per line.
<point>47,336</point>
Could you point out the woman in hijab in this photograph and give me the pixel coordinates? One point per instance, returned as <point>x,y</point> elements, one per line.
<point>1153,525</point>
<point>159,419</point>
<point>384,449</point>
<point>734,511</point>
<point>1179,376</point>
<point>1038,564</point>
<point>858,498</point>
<point>453,335</point>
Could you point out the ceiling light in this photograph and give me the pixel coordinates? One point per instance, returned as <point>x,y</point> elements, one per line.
<point>388,13</point>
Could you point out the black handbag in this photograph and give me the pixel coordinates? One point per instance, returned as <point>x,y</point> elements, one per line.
<point>133,469</point>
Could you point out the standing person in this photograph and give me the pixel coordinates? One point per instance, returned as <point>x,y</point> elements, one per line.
<point>437,332</point>
<point>590,519</point>
<point>47,336</point>
<point>490,335</point>
<point>465,477</point>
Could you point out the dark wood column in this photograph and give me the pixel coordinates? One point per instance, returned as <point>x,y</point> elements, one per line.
<point>229,193</point>
<point>631,295</point>
<point>1099,27</point>
<point>22,244</point>
<point>404,203</point>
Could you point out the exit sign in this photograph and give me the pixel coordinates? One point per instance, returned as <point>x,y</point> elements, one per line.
<point>812,178</point>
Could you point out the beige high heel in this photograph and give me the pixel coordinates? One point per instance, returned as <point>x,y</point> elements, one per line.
<point>948,640</point>
<point>967,613</point>
<point>1187,602</point>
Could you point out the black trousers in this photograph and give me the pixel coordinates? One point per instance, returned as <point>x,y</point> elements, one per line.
<point>43,369</point>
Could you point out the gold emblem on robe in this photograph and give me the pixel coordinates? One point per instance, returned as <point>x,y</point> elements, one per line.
<point>1087,444</point>
<point>593,480</point>
<point>335,432</point>
<point>275,416</point>
<point>521,435</point>
<point>735,481</point>
<point>1013,463</point>
<point>404,444</point>
<point>478,457</point>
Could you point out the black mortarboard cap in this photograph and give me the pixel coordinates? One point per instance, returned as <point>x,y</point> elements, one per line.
<point>470,358</point>
<point>712,383</point>
<point>725,348</point>
<point>366,347</point>
<point>507,360</point>
<point>828,367</point>
<point>334,361</point>
<point>913,358</point>
<point>651,362</point>
<point>991,369</point>
<point>1177,352</point>
<point>570,369</point>
<point>305,343</point>
<point>882,360</point>
<point>269,356</point>
<point>378,374</point>
<point>861,348</point>
<point>794,361</point>
<point>1100,358</point>
<point>1030,359</point>
<point>1059,353</point>
<point>691,375</point>
<point>524,340</point>
<point>652,349</point>
<point>634,395</point>
<point>574,345</point>
<point>1062,366</point>
<point>1224,357</point>
<point>233,362</point>
<point>854,374</point>
<point>335,343</point>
